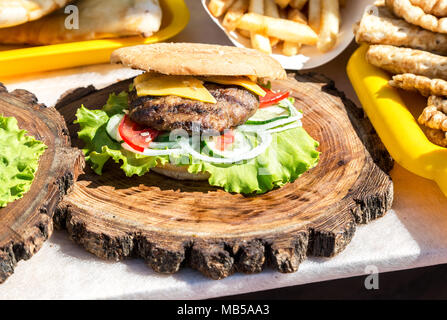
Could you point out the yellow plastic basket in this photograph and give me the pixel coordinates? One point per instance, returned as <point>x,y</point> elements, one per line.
<point>391,114</point>
<point>42,58</point>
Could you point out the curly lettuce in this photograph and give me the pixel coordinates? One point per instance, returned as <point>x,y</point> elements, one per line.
<point>291,153</point>
<point>19,160</point>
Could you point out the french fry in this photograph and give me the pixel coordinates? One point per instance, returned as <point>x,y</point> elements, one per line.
<point>298,4</point>
<point>290,48</point>
<point>219,7</point>
<point>274,41</point>
<point>283,29</point>
<point>268,23</point>
<point>296,15</point>
<point>256,6</point>
<point>271,10</point>
<point>314,15</point>
<point>283,13</point>
<point>234,13</point>
<point>330,25</point>
<point>244,33</point>
<point>259,41</point>
<point>282,3</point>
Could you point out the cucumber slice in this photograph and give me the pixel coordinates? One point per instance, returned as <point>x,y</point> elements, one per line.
<point>112,127</point>
<point>269,114</point>
<point>240,146</point>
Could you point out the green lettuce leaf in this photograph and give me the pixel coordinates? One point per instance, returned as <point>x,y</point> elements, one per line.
<point>291,153</point>
<point>116,104</point>
<point>19,160</point>
<point>99,147</point>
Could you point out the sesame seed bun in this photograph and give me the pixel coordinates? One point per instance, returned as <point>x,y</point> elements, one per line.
<point>198,59</point>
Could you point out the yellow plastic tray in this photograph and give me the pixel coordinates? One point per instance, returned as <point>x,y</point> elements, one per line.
<point>67,55</point>
<point>391,115</point>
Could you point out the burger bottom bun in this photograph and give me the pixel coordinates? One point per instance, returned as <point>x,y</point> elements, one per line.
<point>180,172</point>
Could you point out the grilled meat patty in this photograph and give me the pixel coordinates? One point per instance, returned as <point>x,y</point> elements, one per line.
<point>234,106</point>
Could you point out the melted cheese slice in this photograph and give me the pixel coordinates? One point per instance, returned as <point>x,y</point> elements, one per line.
<point>144,77</point>
<point>238,81</point>
<point>164,85</point>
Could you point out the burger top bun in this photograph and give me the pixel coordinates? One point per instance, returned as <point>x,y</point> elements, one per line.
<point>198,59</point>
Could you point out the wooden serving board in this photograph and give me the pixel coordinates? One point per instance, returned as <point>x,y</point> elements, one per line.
<point>172,223</point>
<point>26,223</point>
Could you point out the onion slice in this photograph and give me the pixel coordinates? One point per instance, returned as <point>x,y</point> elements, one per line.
<point>266,140</point>
<point>152,152</point>
<point>162,145</point>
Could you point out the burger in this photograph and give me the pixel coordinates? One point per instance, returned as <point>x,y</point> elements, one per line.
<point>201,112</point>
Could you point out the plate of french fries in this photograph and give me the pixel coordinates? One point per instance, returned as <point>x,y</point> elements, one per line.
<point>300,34</point>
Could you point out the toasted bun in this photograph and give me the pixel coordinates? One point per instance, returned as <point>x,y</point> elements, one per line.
<point>198,59</point>
<point>179,172</point>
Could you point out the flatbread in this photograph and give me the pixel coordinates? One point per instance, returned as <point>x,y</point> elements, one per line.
<point>440,103</point>
<point>415,15</point>
<point>15,12</point>
<point>435,7</point>
<point>423,85</point>
<point>98,19</point>
<point>438,137</point>
<point>434,116</point>
<point>405,60</point>
<point>378,26</point>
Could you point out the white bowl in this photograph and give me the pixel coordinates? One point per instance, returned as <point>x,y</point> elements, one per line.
<point>309,56</point>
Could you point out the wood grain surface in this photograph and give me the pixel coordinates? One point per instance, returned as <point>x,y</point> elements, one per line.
<point>26,223</point>
<point>171,224</point>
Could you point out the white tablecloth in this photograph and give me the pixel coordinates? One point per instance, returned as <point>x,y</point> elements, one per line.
<point>412,234</point>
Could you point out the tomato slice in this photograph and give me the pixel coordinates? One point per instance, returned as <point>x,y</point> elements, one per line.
<point>272,97</point>
<point>135,135</point>
<point>224,140</point>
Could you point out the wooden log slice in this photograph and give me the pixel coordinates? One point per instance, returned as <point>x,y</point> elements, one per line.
<point>26,223</point>
<point>172,223</point>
